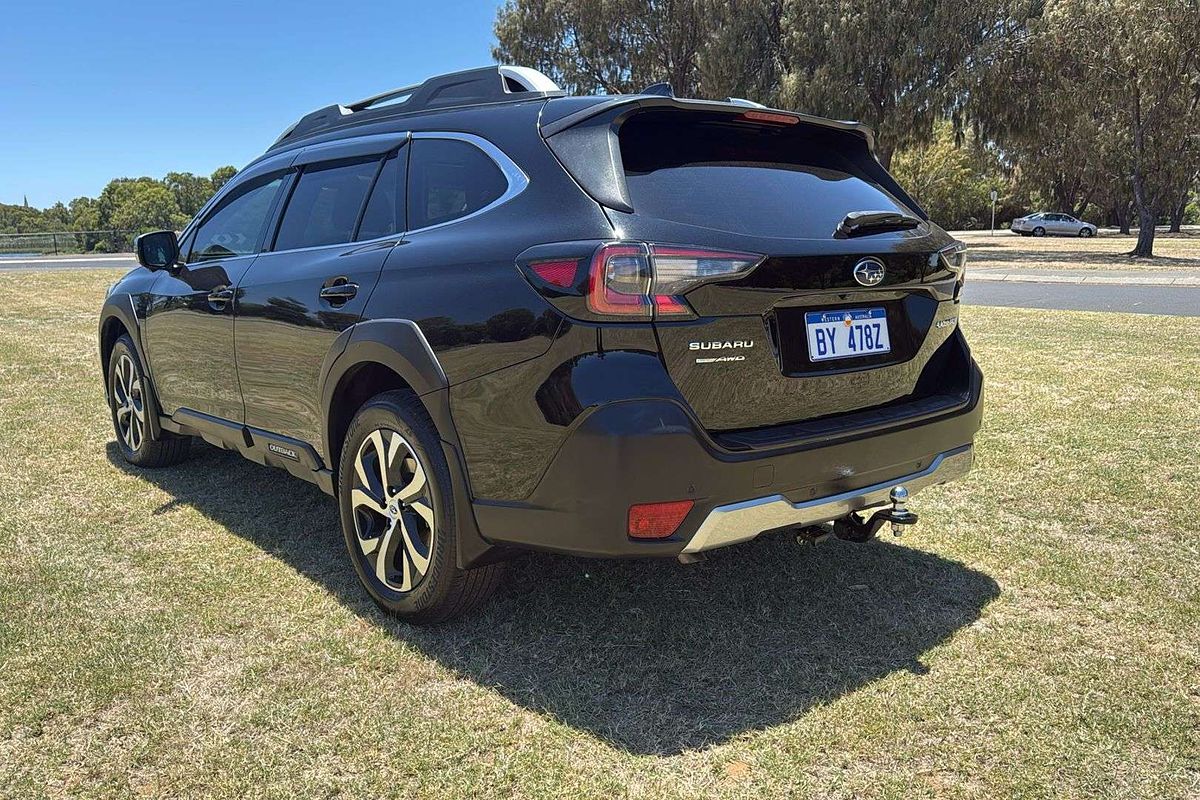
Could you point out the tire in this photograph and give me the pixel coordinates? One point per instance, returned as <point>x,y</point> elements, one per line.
<point>128,406</point>
<point>406,517</point>
<point>1085,233</point>
<point>1039,231</point>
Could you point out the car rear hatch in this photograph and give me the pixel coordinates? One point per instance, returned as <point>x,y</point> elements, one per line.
<point>834,308</point>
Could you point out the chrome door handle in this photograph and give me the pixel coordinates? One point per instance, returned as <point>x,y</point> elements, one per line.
<point>220,295</point>
<point>339,292</point>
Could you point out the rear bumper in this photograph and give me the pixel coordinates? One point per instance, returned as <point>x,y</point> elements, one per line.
<point>647,451</point>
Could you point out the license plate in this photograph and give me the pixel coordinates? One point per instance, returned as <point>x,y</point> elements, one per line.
<point>847,334</point>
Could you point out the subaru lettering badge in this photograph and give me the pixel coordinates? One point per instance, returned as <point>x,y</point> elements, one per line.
<point>869,272</point>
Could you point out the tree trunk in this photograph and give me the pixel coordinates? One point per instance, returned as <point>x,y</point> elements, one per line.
<point>1146,219</point>
<point>1146,216</point>
<point>1121,214</point>
<point>884,154</point>
<point>1177,213</point>
<point>1065,197</point>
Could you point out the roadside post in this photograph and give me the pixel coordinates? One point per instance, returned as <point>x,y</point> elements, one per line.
<point>995,194</point>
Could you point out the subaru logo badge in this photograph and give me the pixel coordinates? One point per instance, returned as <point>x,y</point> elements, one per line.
<point>869,272</point>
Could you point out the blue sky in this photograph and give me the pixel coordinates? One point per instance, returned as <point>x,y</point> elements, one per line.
<point>96,90</point>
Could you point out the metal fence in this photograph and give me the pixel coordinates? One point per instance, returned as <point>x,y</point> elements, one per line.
<point>59,242</point>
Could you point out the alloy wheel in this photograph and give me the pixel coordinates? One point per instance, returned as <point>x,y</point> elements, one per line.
<point>393,510</point>
<point>129,403</point>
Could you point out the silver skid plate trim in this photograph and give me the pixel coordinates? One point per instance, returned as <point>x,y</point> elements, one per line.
<point>740,522</point>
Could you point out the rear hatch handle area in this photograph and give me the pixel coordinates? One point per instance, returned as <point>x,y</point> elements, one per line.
<point>866,223</point>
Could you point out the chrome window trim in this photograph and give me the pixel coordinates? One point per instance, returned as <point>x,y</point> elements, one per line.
<point>514,175</point>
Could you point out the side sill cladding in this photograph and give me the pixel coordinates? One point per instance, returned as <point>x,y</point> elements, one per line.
<point>255,444</point>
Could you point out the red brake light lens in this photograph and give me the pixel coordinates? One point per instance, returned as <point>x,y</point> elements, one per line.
<point>657,520</point>
<point>767,116</point>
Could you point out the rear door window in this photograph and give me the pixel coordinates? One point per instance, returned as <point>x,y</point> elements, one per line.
<point>716,171</point>
<point>450,179</point>
<point>325,205</point>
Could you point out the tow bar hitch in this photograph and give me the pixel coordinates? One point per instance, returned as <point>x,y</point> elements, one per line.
<point>853,528</point>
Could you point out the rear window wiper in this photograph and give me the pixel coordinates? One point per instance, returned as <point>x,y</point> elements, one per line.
<point>865,223</point>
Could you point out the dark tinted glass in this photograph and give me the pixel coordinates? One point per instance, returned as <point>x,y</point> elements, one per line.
<point>385,210</point>
<point>449,179</point>
<point>762,180</point>
<point>324,206</point>
<point>236,228</point>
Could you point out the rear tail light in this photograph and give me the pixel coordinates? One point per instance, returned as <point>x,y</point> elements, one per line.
<point>644,281</point>
<point>657,520</point>
<point>619,281</point>
<point>955,259</point>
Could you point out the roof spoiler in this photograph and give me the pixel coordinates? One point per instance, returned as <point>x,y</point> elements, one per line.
<point>732,104</point>
<point>496,84</point>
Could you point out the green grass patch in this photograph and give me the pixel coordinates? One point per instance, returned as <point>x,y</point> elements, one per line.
<point>197,631</point>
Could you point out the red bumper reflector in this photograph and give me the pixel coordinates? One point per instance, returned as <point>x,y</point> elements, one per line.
<point>657,520</point>
<point>556,273</point>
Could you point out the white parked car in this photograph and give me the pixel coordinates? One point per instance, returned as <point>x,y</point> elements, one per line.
<point>1042,223</point>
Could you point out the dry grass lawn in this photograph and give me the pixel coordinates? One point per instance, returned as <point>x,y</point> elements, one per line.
<point>197,632</point>
<point>1008,251</point>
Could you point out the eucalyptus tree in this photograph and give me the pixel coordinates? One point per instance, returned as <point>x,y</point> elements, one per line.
<point>606,46</point>
<point>889,63</point>
<point>703,48</point>
<point>894,64</point>
<point>1105,92</point>
<point>1140,61</point>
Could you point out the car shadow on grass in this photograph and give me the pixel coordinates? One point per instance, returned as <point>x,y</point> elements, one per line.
<point>651,656</point>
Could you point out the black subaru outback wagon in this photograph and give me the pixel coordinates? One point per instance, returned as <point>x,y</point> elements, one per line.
<point>489,317</point>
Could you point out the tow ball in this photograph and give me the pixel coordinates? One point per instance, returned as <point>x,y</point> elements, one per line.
<point>854,528</point>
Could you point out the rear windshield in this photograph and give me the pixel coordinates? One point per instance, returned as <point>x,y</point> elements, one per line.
<point>791,181</point>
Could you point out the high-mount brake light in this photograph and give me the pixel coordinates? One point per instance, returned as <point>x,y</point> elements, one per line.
<point>767,116</point>
<point>635,279</point>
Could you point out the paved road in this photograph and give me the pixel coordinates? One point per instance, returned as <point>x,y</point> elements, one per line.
<point>120,261</point>
<point>1181,301</point>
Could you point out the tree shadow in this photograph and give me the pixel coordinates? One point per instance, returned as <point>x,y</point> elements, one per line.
<point>651,656</point>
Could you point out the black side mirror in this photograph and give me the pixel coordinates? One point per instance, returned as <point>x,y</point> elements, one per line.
<point>157,250</point>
